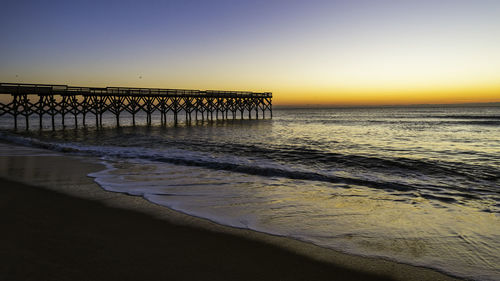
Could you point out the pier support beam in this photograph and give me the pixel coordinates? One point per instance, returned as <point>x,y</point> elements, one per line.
<point>60,100</point>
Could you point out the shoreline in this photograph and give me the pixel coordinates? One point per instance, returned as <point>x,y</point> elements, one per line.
<point>76,185</point>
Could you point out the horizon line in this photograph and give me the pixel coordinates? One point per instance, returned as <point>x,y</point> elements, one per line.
<point>479,104</point>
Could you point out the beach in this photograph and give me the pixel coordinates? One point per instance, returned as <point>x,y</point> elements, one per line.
<point>250,140</point>
<point>60,225</point>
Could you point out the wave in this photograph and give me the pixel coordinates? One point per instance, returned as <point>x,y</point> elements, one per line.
<point>428,189</point>
<point>474,117</point>
<point>312,157</point>
<point>188,158</point>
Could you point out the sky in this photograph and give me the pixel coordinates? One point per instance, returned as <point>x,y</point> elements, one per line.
<point>358,52</point>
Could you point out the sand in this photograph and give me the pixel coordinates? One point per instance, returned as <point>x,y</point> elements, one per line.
<point>57,224</point>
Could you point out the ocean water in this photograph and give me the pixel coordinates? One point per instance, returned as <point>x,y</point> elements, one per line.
<point>419,185</point>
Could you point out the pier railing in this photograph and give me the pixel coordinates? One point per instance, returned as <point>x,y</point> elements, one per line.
<point>62,100</point>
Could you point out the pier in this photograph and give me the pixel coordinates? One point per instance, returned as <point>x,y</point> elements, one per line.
<point>75,102</point>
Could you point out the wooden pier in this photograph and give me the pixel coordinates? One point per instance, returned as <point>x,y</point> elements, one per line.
<point>63,100</point>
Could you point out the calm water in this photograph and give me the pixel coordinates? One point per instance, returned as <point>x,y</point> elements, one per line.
<point>416,185</point>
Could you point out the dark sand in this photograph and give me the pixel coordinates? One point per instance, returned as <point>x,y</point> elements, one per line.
<point>51,236</point>
<point>74,230</point>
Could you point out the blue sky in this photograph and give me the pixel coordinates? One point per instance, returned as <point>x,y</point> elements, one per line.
<point>336,50</point>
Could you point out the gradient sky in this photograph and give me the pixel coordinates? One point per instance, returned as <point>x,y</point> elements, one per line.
<point>305,52</point>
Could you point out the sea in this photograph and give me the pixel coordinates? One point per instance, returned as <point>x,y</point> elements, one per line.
<point>417,184</point>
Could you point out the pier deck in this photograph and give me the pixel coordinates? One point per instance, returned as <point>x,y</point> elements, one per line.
<point>62,100</point>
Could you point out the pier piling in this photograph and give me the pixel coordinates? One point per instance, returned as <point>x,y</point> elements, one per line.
<point>60,100</point>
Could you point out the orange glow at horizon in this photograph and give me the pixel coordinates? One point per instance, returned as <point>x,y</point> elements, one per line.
<point>388,97</point>
<point>305,52</point>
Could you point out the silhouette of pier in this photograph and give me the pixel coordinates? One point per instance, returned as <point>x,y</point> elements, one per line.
<point>63,100</point>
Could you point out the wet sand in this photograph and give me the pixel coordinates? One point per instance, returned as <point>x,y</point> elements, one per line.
<point>59,225</point>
